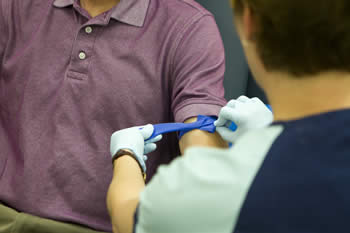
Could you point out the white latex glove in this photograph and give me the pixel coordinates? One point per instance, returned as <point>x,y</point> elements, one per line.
<point>133,139</point>
<point>246,113</point>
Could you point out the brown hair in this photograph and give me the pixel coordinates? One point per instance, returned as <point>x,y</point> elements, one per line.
<point>301,37</point>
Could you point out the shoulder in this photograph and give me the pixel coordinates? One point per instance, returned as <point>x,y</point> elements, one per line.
<point>28,10</point>
<point>28,4</point>
<point>183,7</point>
<point>178,12</point>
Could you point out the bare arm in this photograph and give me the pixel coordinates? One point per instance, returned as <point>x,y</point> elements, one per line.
<point>123,193</point>
<point>200,138</point>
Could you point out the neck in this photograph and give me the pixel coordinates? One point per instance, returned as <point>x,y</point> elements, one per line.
<point>97,7</point>
<point>292,98</point>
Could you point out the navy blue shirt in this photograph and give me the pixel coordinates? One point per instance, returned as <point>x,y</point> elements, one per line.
<point>304,182</point>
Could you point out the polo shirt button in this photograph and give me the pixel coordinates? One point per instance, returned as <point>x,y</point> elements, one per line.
<point>82,56</point>
<point>88,29</point>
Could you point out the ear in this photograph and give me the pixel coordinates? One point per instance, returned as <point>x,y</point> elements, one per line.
<point>248,24</point>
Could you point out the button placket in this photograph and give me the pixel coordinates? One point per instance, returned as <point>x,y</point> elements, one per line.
<point>82,54</point>
<point>83,47</point>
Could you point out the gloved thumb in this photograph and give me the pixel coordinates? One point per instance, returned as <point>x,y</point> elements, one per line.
<point>227,114</point>
<point>147,131</point>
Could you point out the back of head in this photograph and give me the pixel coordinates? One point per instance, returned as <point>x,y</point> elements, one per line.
<point>301,37</point>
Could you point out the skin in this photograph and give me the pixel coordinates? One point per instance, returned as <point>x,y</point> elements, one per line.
<point>200,138</point>
<point>97,7</point>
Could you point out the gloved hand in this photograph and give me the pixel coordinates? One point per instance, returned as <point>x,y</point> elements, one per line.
<point>246,113</point>
<point>134,139</point>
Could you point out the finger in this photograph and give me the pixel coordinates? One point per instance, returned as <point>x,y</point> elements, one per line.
<point>147,131</point>
<point>231,103</point>
<point>155,139</point>
<point>226,134</point>
<point>257,100</point>
<point>228,114</point>
<point>243,99</point>
<point>224,123</point>
<point>221,120</point>
<point>149,148</point>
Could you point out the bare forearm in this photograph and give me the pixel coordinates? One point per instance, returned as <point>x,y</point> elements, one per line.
<point>201,138</point>
<point>123,193</point>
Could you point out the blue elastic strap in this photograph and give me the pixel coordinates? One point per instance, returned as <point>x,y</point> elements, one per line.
<point>205,123</point>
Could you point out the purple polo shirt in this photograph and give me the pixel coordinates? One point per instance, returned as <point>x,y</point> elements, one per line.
<point>68,81</point>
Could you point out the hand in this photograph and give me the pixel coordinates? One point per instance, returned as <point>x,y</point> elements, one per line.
<point>133,139</point>
<point>246,114</point>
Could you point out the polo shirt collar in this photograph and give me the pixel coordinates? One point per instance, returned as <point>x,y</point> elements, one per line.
<point>131,12</point>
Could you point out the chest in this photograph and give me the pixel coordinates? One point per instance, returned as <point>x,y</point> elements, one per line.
<point>95,65</point>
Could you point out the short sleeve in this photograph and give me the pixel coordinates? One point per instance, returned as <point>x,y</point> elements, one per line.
<point>203,191</point>
<point>198,68</point>
<point>3,30</point>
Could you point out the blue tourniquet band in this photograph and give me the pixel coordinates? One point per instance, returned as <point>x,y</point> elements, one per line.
<point>205,123</point>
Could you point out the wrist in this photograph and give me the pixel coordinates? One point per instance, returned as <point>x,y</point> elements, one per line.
<point>125,154</point>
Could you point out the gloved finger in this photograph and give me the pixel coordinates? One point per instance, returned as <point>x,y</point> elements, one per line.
<point>224,130</point>
<point>155,139</point>
<point>149,147</point>
<point>225,123</point>
<point>227,134</point>
<point>231,103</point>
<point>243,99</point>
<point>221,119</point>
<point>220,122</point>
<point>256,100</point>
<point>228,114</point>
<point>147,131</point>
<point>145,158</point>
